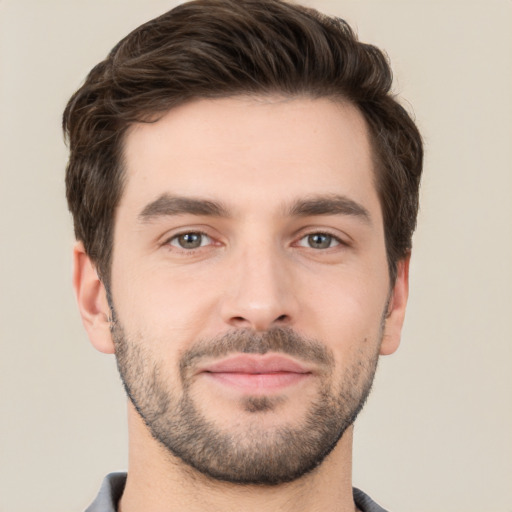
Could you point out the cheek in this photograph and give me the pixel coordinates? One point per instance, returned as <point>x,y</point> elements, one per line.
<point>167,303</point>
<point>347,313</point>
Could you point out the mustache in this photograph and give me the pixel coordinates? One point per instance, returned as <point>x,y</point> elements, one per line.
<point>278,339</point>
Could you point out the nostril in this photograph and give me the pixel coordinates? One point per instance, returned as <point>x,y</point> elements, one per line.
<point>239,322</point>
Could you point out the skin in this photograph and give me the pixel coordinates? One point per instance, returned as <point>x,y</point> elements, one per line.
<point>255,270</point>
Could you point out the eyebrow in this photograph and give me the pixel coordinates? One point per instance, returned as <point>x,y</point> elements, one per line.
<point>167,205</point>
<point>329,205</point>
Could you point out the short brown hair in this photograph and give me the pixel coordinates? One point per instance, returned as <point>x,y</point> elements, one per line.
<point>221,48</point>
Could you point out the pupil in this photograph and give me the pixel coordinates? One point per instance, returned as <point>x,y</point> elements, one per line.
<point>190,240</point>
<point>320,241</point>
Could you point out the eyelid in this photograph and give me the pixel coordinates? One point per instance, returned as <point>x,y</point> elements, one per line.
<point>333,238</point>
<point>341,238</point>
<point>178,235</point>
<point>173,234</point>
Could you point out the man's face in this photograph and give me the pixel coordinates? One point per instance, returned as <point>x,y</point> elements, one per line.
<point>249,282</point>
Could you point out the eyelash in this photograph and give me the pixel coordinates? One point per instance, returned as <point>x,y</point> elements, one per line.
<point>332,238</point>
<point>185,233</point>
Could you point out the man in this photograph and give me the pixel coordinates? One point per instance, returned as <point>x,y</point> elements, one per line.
<point>244,190</point>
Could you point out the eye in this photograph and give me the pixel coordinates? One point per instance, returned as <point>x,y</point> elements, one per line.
<point>319,241</point>
<point>192,240</point>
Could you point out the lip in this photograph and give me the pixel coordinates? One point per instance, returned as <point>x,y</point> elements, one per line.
<point>256,364</point>
<point>257,373</point>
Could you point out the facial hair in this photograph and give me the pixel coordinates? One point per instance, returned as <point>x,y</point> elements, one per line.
<point>253,454</point>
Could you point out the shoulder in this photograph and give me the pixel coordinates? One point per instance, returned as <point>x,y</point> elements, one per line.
<point>365,503</point>
<point>110,492</point>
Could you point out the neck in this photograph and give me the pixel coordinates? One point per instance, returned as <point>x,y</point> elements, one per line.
<point>159,482</point>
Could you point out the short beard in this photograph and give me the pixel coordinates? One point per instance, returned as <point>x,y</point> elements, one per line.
<point>252,455</point>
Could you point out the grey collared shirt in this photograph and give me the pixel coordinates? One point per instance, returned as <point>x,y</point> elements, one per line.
<point>113,486</point>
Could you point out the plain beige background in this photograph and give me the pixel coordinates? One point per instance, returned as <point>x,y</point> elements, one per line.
<point>437,432</point>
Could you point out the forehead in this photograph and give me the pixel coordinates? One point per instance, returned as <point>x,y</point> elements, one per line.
<point>242,150</point>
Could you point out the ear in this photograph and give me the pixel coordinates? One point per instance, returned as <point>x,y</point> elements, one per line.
<point>92,300</point>
<point>396,309</point>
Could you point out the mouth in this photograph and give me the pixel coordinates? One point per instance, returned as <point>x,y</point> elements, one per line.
<point>257,374</point>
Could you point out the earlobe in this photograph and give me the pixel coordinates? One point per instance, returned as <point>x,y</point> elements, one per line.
<point>396,309</point>
<point>92,301</point>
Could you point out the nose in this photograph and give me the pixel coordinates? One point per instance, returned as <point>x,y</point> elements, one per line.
<point>259,293</point>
